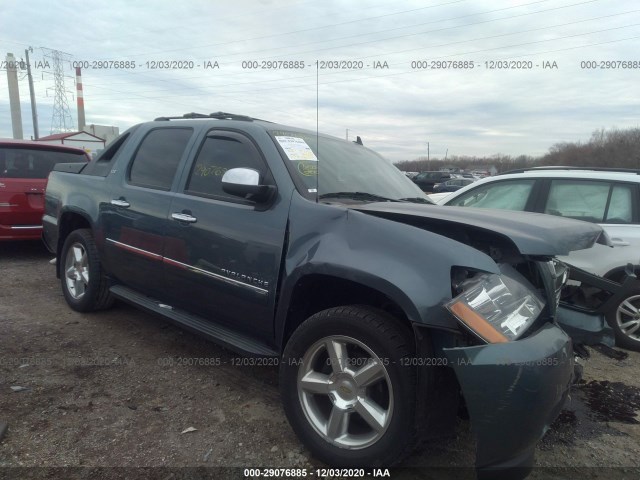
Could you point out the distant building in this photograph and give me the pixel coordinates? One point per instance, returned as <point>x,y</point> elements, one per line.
<point>107,132</point>
<point>88,142</point>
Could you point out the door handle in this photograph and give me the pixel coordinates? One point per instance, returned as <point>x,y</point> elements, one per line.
<point>618,242</point>
<point>184,217</point>
<point>119,202</point>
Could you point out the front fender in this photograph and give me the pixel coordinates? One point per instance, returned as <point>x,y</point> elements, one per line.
<point>409,265</point>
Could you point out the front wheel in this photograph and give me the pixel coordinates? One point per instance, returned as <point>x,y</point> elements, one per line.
<point>348,389</point>
<point>84,284</point>
<point>625,320</point>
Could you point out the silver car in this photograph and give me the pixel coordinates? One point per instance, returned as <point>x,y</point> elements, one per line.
<point>610,198</point>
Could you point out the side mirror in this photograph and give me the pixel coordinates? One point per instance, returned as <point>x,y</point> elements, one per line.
<point>245,183</point>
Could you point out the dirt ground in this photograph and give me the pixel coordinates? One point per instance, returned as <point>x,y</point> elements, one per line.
<point>120,388</point>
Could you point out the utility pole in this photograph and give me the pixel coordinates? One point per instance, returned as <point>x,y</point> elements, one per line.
<point>445,155</point>
<point>428,158</point>
<point>34,113</point>
<point>347,134</point>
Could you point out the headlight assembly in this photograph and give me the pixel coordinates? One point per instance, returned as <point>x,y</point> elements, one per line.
<point>497,307</point>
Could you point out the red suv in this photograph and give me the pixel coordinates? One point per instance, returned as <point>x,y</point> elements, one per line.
<point>24,168</point>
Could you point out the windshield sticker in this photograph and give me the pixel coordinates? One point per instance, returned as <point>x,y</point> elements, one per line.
<point>313,190</point>
<point>308,169</point>
<point>295,148</point>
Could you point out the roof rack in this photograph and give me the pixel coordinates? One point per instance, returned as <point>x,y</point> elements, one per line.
<point>594,169</point>
<point>217,115</point>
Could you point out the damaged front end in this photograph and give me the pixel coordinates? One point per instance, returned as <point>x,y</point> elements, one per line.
<point>588,299</point>
<point>513,392</point>
<point>517,369</point>
<point>513,361</point>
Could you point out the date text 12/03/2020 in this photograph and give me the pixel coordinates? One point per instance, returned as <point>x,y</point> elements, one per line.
<point>318,472</point>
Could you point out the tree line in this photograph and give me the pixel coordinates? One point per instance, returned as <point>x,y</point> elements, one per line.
<point>612,148</point>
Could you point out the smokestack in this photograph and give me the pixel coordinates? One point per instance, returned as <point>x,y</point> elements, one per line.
<point>80,98</point>
<point>14,97</point>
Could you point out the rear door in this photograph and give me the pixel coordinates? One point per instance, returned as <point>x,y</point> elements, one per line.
<point>222,253</point>
<point>21,202</point>
<point>622,220</point>
<point>610,203</point>
<point>140,197</point>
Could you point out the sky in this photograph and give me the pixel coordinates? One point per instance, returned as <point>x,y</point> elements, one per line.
<point>407,76</point>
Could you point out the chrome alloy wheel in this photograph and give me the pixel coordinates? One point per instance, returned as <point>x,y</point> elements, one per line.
<point>628,317</point>
<point>76,270</point>
<point>345,392</point>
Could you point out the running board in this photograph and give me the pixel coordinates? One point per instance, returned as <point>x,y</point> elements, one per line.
<point>218,334</point>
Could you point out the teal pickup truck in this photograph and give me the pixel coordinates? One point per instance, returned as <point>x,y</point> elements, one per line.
<point>384,311</point>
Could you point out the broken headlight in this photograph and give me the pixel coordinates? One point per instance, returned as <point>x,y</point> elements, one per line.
<point>497,307</point>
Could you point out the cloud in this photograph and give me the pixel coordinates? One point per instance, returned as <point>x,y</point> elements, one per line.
<point>396,110</point>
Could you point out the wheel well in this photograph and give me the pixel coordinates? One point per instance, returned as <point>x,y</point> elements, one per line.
<point>315,293</point>
<point>68,223</point>
<point>618,274</point>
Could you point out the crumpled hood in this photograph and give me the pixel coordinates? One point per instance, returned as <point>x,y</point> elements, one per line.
<point>531,233</point>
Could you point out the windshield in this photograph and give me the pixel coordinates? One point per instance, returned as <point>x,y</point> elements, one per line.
<point>33,163</point>
<point>345,168</point>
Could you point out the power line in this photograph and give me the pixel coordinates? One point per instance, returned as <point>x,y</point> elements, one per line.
<point>227,75</point>
<point>402,73</point>
<point>519,32</point>
<point>305,30</point>
<point>192,24</point>
<point>218,86</point>
<point>410,34</point>
<point>382,31</point>
<point>359,79</point>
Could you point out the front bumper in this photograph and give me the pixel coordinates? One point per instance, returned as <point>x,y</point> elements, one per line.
<point>585,327</point>
<point>513,392</point>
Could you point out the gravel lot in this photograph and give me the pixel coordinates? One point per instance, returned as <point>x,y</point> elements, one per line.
<point>119,388</point>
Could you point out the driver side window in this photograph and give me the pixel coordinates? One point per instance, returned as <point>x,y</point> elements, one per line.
<point>221,151</point>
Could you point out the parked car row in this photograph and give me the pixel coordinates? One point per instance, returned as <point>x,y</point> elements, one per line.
<point>427,180</point>
<point>452,185</point>
<point>440,181</point>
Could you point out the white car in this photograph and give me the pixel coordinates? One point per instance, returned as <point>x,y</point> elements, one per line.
<point>610,198</point>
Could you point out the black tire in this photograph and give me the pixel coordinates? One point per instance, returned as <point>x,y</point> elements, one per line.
<point>92,289</point>
<point>621,314</point>
<point>361,328</point>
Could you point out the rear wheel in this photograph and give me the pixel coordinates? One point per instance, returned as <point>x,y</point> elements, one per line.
<point>84,284</point>
<point>347,387</point>
<point>624,319</point>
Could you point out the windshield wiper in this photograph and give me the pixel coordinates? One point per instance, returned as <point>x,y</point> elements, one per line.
<point>418,200</point>
<point>358,196</point>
